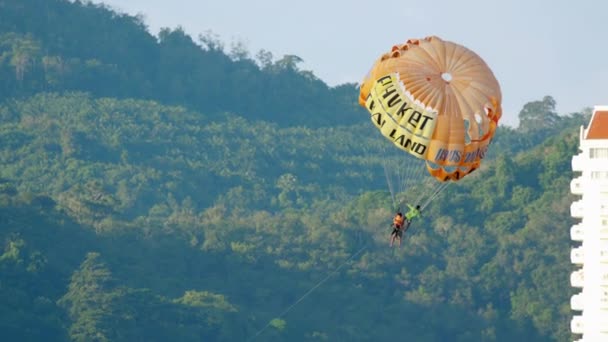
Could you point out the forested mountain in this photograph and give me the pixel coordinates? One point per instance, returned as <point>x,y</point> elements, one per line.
<point>56,45</point>
<point>137,206</point>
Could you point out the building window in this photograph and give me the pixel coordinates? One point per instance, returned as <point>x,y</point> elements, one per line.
<point>599,174</point>
<point>598,153</point>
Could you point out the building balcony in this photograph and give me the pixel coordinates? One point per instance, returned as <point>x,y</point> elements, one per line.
<point>579,162</point>
<point>604,299</point>
<point>577,255</point>
<point>577,278</point>
<point>577,302</point>
<point>576,186</point>
<point>604,233</point>
<point>604,279</point>
<point>577,209</point>
<point>604,255</point>
<point>577,324</point>
<point>582,163</point>
<point>577,233</point>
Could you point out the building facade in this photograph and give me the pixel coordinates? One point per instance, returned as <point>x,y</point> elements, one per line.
<point>590,235</point>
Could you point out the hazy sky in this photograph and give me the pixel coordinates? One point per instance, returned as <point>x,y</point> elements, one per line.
<point>534,47</point>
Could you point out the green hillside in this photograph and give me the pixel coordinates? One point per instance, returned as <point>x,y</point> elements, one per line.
<point>57,45</point>
<point>135,206</point>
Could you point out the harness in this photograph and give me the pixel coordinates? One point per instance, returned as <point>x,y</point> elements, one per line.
<point>398,221</point>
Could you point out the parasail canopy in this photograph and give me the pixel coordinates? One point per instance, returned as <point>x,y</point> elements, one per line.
<point>436,100</point>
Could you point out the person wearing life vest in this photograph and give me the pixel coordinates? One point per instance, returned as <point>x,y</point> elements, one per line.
<point>411,214</point>
<point>402,223</point>
<point>398,221</point>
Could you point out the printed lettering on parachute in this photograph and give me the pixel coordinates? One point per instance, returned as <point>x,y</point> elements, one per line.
<point>437,101</point>
<point>410,125</point>
<point>407,123</point>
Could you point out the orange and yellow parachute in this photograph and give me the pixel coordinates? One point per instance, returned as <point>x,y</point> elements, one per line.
<point>436,100</point>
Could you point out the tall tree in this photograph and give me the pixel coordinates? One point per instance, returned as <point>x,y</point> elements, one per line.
<point>89,301</point>
<point>538,115</point>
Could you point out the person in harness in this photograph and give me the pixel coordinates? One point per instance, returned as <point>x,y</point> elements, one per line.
<point>411,214</point>
<point>402,223</point>
<point>398,221</point>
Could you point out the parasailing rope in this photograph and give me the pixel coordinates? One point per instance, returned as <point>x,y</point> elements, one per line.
<point>309,292</point>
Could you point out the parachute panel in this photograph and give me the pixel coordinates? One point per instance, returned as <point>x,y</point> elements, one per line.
<point>437,101</point>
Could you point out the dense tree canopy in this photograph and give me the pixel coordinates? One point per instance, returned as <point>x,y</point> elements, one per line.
<point>162,189</point>
<point>55,45</point>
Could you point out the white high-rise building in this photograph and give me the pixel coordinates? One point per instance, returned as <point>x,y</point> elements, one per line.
<point>591,256</point>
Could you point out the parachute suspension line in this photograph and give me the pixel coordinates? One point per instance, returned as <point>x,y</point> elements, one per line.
<point>405,174</point>
<point>309,291</point>
<point>408,174</point>
<point>413,176</point>
<point>419,171</point>
<point>438,190</point>
<point>387,175</point>
<point>405,178</point>
<point>400,174</point>
<point>389,182</point>
<point>419,199</point>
